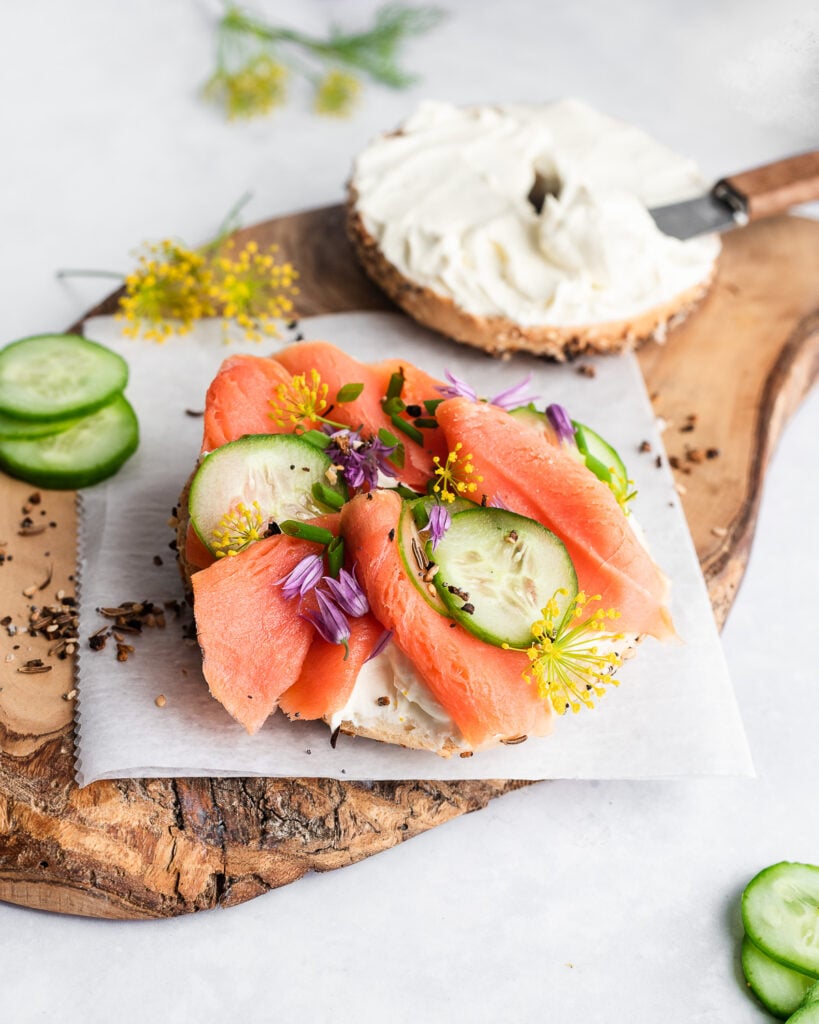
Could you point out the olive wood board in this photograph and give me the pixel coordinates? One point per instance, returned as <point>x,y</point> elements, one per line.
<point>726,380</point>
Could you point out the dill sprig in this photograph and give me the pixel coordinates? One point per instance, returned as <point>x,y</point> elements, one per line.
<point>255,60</point>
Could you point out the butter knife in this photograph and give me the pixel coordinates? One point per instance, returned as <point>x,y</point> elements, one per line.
<point>750,195</point>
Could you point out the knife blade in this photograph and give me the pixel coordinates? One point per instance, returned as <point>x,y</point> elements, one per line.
<point>750,195</point>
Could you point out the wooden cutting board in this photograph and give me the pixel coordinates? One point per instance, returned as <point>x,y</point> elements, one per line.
<point>726,381</point>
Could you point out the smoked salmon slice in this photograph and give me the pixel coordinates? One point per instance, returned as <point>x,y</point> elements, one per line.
<point>238,400</point>
<point>545,482</point>
<point>481,687</point>
<point>327,679</point>
<point>253,639</point>
<point>336,369</point>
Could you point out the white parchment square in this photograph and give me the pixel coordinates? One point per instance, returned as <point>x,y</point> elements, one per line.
<point>674,713</point>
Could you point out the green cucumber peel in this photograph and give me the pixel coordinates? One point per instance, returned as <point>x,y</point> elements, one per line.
<point>780,912</point>
<point>91,450</point>
<point>780,990</point>
<point>244,484</point>
<point>56,376</point>
<point>497,570</point>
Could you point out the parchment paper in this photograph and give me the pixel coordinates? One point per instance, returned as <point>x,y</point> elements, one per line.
<point>674,713</point>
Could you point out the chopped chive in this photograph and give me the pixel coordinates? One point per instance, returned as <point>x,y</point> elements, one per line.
<point>425,421</point>
<point>388,438</point>
<point>305,531</point>
<point>315,438</point>
<point>326,495</point>
<point>404,492</point>
<point>349,393</point>
<point>431,404</point>
<point>391,406</point>
<point>335,555</point>
<point>407,428</point>
<point>396,385</point>
<point>397,457</point>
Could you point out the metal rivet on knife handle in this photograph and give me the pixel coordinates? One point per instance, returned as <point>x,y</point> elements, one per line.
<point>773,188</point>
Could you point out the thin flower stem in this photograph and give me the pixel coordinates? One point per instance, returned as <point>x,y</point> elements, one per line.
<point>112,274</point>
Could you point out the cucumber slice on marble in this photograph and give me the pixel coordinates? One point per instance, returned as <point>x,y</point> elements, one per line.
<point>780,911</point>
<point>807,1014</point>
<point>778,988</point>
<point>497,570</point>
<point>84,454</point>
<point>53,376</point>
<point>271,476</point>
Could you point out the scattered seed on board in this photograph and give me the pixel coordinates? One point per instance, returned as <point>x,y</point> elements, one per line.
<point>160,701</point>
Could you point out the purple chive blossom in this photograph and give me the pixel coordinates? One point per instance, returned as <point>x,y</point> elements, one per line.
<point>380,645</point>
<point>347,593</point>
<point>303,578</point>
<point>561,422</point>
<point>439,522</point>
<point>331,622</point>
<point>514,396</point>
<point>457,388</point>
<point>498,502</point>
<point>360,460</point>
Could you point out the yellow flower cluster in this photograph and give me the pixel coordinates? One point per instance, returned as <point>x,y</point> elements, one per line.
<point>337,93</point>
<point>251,90</point>
<point>172,287</point>
<point>572,662</point>
<point>253,289</point>
<point>456,477</point>
<point>237,528</point>
<point>169,289</point>
<point>300,400</point>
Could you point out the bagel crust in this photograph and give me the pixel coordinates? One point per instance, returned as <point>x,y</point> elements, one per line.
<point>498,336</point>
<point>513,228</point>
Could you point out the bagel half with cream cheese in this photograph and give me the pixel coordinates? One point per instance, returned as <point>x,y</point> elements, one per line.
<point>527,228</point>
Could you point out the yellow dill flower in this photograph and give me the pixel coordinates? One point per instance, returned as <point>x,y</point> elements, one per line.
<point>252,90</point>
<point>337,93</point>
<point>167,292</point>
<point>456,477</point>
<point>299,400</point>
<point>237,528</point>
<point>253,289</point>
<point>573,661</point>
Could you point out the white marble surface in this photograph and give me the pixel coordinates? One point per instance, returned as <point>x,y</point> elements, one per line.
<point>586,902</point>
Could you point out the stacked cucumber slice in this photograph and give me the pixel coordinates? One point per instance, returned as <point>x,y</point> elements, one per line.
<point>780,951</point>
<point>64,422</point>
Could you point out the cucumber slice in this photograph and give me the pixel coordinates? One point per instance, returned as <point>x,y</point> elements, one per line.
<point>421,507</point>
<point>780,911</point>
<point>93,449</point>
<point>411,546</point>
<point>52,376</point>
<point>808,1014</point>
<point>278,471</point>
<point>529,417</point>
<point>498,570</point>
<point>602,459</point>
<point>778,988</point>
<point>11,428</point>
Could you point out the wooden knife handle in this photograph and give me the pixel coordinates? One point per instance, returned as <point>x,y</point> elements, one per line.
<point>775,187</point>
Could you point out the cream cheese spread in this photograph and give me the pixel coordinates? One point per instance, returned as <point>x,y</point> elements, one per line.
<point>410,706</point>
<point>448,201</point>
